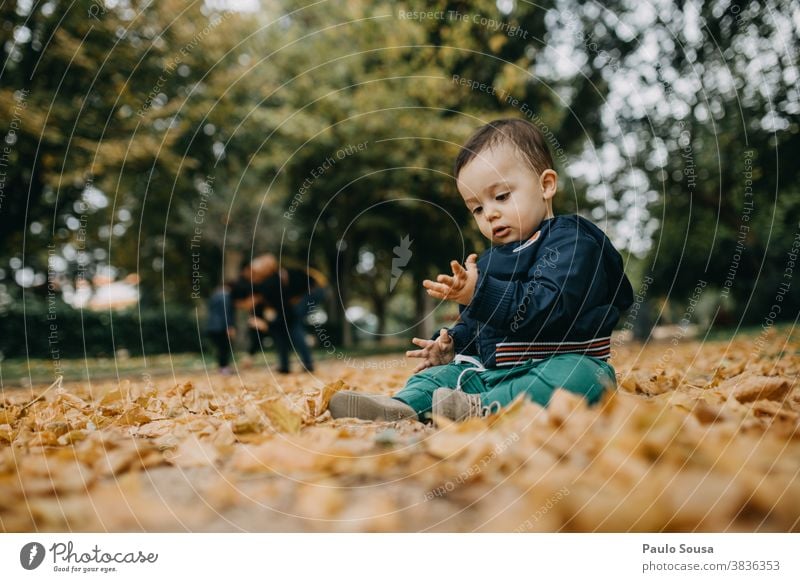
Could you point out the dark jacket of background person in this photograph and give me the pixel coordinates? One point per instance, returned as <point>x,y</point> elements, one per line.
<point>286,292</point>
<point>220,312</point>
<point>286,296</point>
<point>249,297</point>
<point>221,325</point>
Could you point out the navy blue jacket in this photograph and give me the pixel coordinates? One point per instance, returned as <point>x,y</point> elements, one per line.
<point>220,312</point>
<point>560,291</point>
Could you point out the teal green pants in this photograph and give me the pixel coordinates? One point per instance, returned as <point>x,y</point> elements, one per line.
<point>584,375</point>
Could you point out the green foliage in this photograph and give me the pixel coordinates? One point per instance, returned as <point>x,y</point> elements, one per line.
<point>717,147</point>
<point>328,132</point>
<point>38,328</point>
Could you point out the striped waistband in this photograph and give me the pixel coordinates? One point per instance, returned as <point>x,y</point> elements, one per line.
<point>511,353</point>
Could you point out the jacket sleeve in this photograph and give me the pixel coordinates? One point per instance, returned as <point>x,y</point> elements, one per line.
<point>553,292</point>
<point>463,334</point>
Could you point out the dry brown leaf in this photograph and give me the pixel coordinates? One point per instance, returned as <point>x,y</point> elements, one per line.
<point>774,409</point>
<point>277,455</point>
<point>749,388</point>
<point>135,415</point>
<point>563,405</point>
<point>321,405</point>
<point>708,413</point>
<point>193,452</point>
<point>282,417</point>
<point>8,415</point>
<point>707,440</point>
<point>450,441</point>
<point>7,434</point>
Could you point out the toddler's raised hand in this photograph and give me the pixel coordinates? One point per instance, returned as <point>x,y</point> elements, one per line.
<point>460,287</point>
<point>434,352</point>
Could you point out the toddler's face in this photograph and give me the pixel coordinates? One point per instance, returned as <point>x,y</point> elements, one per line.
<point>505,196</point>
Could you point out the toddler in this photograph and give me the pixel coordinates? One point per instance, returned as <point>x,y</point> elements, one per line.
<point>536,309</point>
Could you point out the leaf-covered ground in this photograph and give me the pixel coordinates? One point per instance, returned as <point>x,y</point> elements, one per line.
<point>698,437</point>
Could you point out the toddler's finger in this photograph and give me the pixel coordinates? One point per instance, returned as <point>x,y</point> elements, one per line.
<point>423,343</point>
<point>433,286</point>
<point>438,295</point>
<point>445,279</point>
<point>415,354</point>
<point>440,288</point>
<point>421,367</point>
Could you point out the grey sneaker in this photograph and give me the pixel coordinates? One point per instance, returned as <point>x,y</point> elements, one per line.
<point>349,404</point>
<point>458,405</point>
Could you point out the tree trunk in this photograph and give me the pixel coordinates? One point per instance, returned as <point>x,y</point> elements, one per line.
<point>379,306</point>
<point>424,307</point>
<point>340,282</point>
<point>643,324</point>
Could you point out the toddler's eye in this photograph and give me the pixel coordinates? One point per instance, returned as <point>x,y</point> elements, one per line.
<point>477,210</point>
<point>502,196</point>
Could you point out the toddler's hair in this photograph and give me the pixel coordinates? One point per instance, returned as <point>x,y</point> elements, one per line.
<point>523,135</point>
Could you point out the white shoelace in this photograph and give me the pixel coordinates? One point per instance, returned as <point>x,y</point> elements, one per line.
<point>476,365</point>
<point>487,410</point>
<point>476,407</point>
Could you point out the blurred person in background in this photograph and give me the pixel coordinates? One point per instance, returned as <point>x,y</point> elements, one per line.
<point>221,325</point>
<point>291,292</point>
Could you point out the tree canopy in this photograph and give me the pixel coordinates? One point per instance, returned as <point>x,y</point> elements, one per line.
<point>174,139</point>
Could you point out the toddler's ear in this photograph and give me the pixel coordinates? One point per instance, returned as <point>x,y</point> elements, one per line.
<point>549,183</point>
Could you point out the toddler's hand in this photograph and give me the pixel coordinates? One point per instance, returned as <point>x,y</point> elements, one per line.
<point>460,287</point>
<point>434,352</point>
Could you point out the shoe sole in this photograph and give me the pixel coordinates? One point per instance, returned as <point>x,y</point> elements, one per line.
<point>347,404</point>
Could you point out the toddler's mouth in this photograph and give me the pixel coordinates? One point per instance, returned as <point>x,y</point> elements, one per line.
<point>501,231</point>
